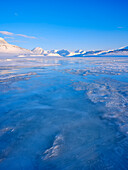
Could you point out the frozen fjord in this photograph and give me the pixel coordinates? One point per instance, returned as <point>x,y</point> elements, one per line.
<point>64,113</point>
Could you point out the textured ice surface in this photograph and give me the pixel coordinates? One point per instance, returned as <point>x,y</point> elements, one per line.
<point>113,94</point>
<point>54,149</point>
<point>70,115</point>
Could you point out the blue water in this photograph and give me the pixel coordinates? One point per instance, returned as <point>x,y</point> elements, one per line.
<point>49,120</point>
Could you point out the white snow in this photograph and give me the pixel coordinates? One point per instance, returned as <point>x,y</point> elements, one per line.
<point>38,50</point>
<point>53,54</point>
<point>12,49</point>
<point>6,48</point>
<point>2,41</point>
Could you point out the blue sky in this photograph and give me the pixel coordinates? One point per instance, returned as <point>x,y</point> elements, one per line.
<point>68,24</point>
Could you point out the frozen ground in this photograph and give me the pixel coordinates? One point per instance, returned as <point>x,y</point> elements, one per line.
<point>63,113</point>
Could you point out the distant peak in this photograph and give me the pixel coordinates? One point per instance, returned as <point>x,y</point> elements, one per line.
<point>38,50</point>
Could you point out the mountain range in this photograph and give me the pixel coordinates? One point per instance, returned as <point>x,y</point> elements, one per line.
<point>6,48</point>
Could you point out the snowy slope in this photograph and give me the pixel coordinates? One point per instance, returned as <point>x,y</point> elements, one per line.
<point>12,49</point>
<point>120,51</point>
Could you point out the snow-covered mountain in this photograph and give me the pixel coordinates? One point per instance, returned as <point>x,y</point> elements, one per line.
<point>38,50</point>
<point>116,52</point>
<point>121,51</point>
<point>12,49</point>
<point>2,41</point>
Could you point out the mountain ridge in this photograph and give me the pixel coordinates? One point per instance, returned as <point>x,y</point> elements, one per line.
<point>5,47</point>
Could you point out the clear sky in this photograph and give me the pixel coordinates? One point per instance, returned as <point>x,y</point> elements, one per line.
<point>65,24</point>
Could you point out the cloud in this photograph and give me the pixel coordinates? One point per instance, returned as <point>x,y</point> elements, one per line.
<point>12,34</point>
<point>26,36</point>
<point>6,33</point>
